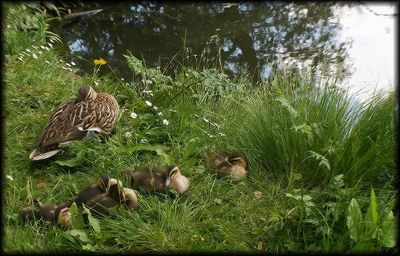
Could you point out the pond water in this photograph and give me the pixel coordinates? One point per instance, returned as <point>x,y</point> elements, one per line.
<point>353,40</point>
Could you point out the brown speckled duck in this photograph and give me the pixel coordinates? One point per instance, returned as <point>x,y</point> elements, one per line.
<point>159,179</point>
<point>231,165</point>
<point>73,119</point>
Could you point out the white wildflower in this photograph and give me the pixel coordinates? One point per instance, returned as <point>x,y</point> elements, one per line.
<point>122,79</point>
<point>128,134</point>
<point>95,82</point>
<point>34,56</point>
<point>133,115</point>
<point>73,63</point>
<point>222,134</point>
<point>155,108</point>
<point>10,177</point>
<point>148,92</point>
<point>159,114</point>
<point>144,140</point>
<point>148,103</point>
<point>165,122</point>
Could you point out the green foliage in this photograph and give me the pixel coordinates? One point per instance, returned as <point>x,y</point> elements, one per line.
<point>363,231</point>
<point>312,154</point>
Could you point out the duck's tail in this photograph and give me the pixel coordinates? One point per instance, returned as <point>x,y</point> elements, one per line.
<point>37,155</point>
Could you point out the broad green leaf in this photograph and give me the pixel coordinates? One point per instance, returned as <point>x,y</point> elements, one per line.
<point>387,231</point>
<point>75,161</point>
<point>80,234</point>
<point>76,217</point>
<point>354,219</point>
<point>92,221</point>
<point>88,247</point>
<point>372,212</point>
<point>159,149</point>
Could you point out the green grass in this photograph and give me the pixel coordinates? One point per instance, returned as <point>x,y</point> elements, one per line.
<point>310,153</point>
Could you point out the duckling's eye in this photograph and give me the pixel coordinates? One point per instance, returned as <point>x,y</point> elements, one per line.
<point>173,172</point>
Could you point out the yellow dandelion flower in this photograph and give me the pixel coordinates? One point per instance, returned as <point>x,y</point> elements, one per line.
<point>100,61</point>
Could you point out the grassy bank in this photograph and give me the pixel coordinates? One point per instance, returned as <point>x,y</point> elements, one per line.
<point>314,157</point>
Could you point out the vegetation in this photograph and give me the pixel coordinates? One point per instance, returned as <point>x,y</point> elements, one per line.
<point>321,168</point>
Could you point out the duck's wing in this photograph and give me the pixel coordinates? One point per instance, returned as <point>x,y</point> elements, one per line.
<point>67,123</point>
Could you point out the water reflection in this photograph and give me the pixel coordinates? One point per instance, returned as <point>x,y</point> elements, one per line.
<point>248,38</point>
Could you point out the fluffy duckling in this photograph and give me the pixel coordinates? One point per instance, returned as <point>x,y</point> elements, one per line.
<point>74,118</point>
<point>159,179</point>
<point>102,186</point>
<point>99,201</point>
<point>116,196</point>
<point>232,165</point>
<point>47,212</point>
<point>62,216</point>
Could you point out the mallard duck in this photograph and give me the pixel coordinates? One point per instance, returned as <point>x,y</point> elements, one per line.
<point>101,187</point>
<point>159,179</point>
<point>74,118</point>
<point>232,165</point>
<point>45,212</point>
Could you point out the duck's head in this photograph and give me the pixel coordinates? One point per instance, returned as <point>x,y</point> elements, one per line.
<point>86,92</point>
<point>175,180</point>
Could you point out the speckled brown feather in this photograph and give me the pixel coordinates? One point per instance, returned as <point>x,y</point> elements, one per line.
<point>74,118</point>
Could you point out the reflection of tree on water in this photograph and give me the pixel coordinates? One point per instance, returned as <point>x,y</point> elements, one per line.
<point>253,36</point>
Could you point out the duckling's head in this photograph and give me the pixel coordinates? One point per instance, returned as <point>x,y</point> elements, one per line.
<point>130,198</point>
<point>106,182</point>
<point>63,217</point>
<point>176,180</point>
<point>86,92</point>
<point>238,160</point>
<point>237,172</point>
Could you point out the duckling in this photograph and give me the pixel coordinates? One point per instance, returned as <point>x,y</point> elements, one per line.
<point>159,179</point>
<point>46,212</point>
<point>102,186</point>
<point>100,203</point>
<point>62,216</point>
<point>74,118</point>
<point>232,165</point>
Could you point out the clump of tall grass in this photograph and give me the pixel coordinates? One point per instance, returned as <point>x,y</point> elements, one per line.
<point>293,125</point>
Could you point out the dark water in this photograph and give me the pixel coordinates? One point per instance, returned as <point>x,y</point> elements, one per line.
<point>247,38</point>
